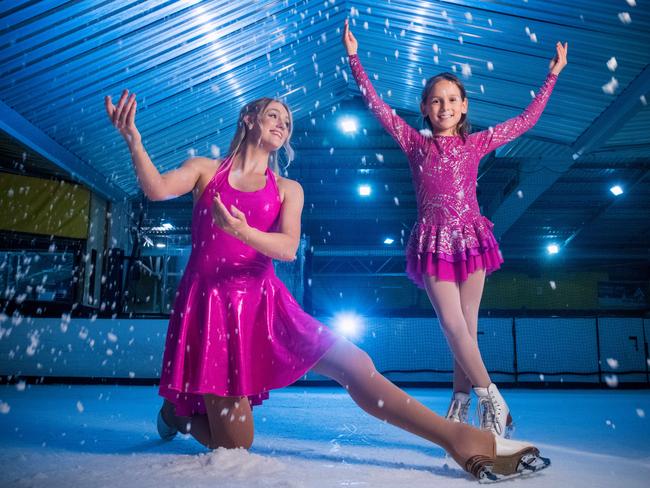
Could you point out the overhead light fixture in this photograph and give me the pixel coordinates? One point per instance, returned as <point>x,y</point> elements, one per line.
<point>553,249</point>
<point>365,190</point>
<point>161,245</point>
<point>616,190</point>
<point>389,240</point>
<point>348,125</point>
<point>164,226</point>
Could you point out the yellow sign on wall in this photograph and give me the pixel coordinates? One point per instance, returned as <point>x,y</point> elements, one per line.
<point>40,206</point>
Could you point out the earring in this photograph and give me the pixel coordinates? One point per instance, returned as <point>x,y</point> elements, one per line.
<point>250,126</point>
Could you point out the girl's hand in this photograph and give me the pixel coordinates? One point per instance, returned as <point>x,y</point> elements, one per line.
<point>349,41</point>
<point>558,63</point>
<point>123,116</point>
<point>233,223</point>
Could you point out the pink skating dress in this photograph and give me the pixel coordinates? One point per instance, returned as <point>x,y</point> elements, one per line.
<point>450,239</point>
<point>235,330</point>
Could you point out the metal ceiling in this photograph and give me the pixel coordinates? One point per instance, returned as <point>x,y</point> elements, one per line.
<point>194,63</point>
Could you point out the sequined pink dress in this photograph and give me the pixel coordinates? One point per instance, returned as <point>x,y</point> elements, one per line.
<point>235,330</point>
<point>450,239</point>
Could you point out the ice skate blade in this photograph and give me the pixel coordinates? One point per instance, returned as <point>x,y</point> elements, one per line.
<point>165,432</point>
<point>501,469</point>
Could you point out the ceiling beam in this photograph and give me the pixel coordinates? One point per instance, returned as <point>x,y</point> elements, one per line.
<point>614,116</point>
<point>536,176</point>
<point>533,178</point>
<point>606,206</point>
<point>31,136</point>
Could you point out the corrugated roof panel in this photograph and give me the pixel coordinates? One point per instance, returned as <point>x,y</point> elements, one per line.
<point>194,64</point>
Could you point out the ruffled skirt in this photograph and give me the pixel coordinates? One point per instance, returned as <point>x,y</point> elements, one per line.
<point>236,337</point>
<point>452,253</point>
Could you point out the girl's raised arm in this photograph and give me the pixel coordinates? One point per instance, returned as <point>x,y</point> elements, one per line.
<point>490,139</point>
<point>406,136</point>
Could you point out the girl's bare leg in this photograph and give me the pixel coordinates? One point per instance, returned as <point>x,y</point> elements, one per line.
<point>471,292</point>
<point>446,300</point>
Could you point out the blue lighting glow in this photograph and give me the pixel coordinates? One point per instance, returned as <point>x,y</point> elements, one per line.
<point>553,249</point>
<point>389,240</point>
<point>348,324</point>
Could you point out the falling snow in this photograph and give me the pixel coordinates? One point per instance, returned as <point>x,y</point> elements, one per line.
<point>624,17</point>
<point>611,86</point>
<point>612,64</point>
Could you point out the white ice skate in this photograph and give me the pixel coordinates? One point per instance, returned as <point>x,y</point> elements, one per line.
<point>165,431</point>
<point>493,412</point>
<point>510,460</point>
<point>459,408</point>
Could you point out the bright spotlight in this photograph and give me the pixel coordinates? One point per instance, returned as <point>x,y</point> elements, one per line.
<point>160,245</point>
<point>348,125</point>
<point>365,190</point>
<point>389,240</point>
<point>553,248</point>
<point>348,324</point>
<point>616,190</point>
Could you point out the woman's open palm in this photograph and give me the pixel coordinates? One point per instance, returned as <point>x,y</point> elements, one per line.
<point>123,115</point>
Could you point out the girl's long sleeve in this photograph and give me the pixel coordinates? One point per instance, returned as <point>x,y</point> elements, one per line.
<point>490,139</point>
<point>406,136</point>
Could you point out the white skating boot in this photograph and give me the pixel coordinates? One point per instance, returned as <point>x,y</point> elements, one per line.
<point>459,408</point>
<point>493,413</point>
<point>511,459</point>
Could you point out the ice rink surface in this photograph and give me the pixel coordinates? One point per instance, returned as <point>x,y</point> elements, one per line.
<point>104,436</point>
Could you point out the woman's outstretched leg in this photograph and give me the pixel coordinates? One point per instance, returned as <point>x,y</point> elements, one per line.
<point>353,369</point>
<point>486,456</point>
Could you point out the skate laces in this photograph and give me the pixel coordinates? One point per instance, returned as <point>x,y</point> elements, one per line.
<point>458,411</point>
<point>488,414</point>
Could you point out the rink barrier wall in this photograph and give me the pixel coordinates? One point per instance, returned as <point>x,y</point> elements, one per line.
<point>595,350</point>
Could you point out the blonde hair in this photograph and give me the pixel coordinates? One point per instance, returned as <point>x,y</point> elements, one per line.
<point>255,109</point>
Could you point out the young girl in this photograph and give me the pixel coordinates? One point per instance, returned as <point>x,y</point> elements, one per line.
<point>451,247</point>
<point>235,332</point>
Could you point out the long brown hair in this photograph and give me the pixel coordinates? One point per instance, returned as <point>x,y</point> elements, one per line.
<point>255,109</point>
<point>463,126</point>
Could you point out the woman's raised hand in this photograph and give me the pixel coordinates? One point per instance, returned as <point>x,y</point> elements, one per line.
<point>123,116</point>
<point>349,41</point>
<point>558,63</point>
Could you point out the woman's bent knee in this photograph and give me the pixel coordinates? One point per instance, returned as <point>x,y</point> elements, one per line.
<point>244,443</point>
